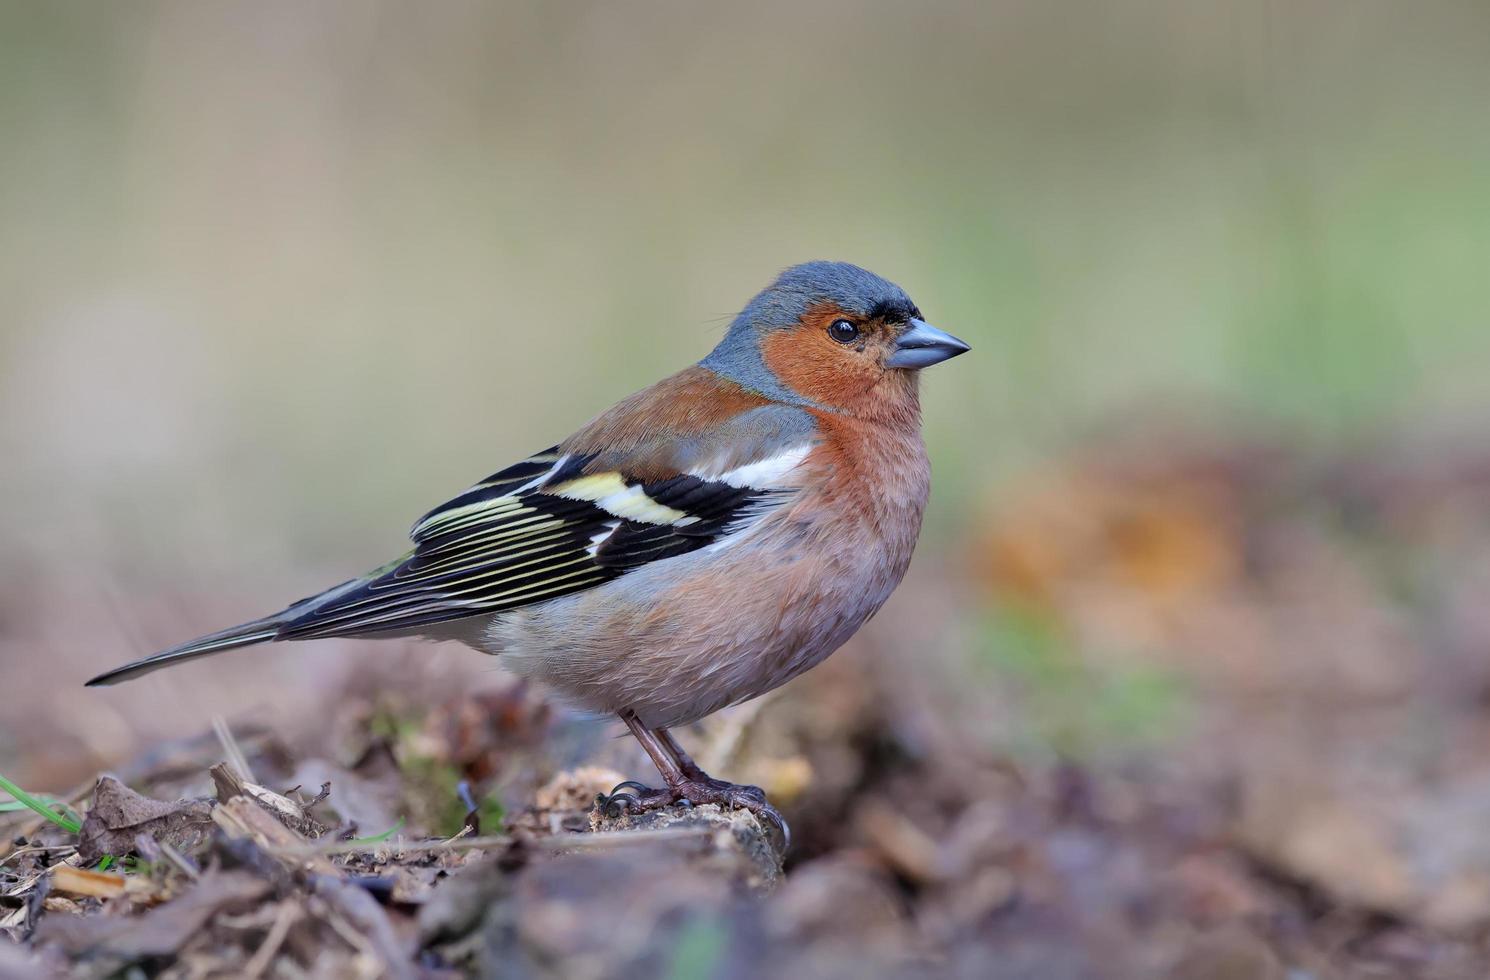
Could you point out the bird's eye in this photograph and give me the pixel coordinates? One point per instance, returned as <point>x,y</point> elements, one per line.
<point>843,331</point>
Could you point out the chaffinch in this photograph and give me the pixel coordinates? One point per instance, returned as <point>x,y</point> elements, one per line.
<point>699,544</point>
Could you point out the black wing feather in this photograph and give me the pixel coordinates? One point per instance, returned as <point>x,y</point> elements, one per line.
<point>517,538</point>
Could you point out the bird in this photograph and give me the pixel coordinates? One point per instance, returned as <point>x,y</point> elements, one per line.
<point>697,545</point>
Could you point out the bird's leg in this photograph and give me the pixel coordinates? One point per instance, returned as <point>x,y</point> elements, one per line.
<point>687,783</point>
<point>683,759</point>
<point>634,796</point>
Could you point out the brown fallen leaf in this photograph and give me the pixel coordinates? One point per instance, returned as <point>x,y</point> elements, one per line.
<point>159,932</point>
<point>118,814</point>
<point>78,883</point>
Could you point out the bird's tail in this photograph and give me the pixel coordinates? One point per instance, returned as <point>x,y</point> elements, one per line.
<point>244,635</point>
<point>258,631</point>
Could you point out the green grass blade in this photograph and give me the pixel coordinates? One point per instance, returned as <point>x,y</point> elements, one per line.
<point>57,806</point>
<point>380,838</point>
<point>68,821</point>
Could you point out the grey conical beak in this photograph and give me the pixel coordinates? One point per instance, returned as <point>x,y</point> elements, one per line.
<point>922,345</point>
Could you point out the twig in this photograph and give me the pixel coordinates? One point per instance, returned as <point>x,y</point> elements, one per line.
<point>367,921</point>
<point>78,883</point>
<point>461,834</point>
<point>231,748</point>
<point>180,861</point>
<point>604,838</point>
<point>290,812</point>
<point>421,847</point>
<point>350,935</point>
<point>288,912</point>
<point>59,850</point>
<point>240,817</point>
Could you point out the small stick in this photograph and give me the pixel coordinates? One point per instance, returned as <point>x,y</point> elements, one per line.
<point>366,920</point>
<point>78,883</point>
<point>288,913</point>
<point>231,748</point>
<point>605,838</point>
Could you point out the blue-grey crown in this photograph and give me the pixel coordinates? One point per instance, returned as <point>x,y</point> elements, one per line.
<point>782,304</point>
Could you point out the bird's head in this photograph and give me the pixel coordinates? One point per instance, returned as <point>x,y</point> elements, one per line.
<point>831,334</point>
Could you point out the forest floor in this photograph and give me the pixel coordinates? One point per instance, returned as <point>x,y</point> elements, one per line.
<point>1175,712</point>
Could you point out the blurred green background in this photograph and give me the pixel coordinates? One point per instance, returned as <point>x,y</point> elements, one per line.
<point>277,277</point>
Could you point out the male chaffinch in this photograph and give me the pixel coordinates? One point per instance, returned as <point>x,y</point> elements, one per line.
<point>699,544</point>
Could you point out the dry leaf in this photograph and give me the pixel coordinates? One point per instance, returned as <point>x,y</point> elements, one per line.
<point>118,814</point>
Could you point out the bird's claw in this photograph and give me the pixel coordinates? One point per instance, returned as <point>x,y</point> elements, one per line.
<point>774,821</point>
<point>633,797</point>
<point>625,798</point>
<point>752,798</point>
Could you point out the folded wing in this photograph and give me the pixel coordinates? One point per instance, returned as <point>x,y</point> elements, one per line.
<point>692,462</point>
<point>547,527</point>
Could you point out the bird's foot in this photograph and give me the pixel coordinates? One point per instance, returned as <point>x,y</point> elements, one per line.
<point>633,797</point>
